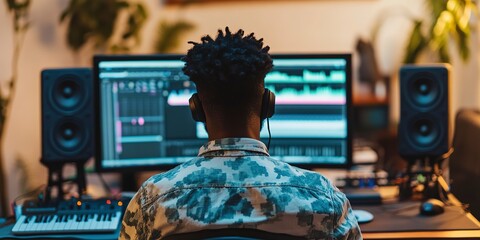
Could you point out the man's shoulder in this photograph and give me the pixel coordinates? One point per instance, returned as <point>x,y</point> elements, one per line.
<point>166,178</point>
<point>283,171</point>
<point>236,172</point>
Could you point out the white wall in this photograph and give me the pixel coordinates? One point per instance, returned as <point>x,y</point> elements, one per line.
<point>287,26</point>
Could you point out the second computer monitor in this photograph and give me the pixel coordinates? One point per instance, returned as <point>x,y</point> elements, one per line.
<point>144,122</point>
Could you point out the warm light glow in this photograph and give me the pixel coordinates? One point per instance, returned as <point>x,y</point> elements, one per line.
<point>120,203</point>
<point>109,201</point>
<point>79,203</point>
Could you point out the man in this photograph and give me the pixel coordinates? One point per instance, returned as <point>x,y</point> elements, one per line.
<point>233,183</point>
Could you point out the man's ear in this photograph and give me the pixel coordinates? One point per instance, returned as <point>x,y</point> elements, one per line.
<point>196,108</point>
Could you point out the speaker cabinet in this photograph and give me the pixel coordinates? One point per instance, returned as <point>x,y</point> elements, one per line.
<point>424,111</point>
<point>67,115</point>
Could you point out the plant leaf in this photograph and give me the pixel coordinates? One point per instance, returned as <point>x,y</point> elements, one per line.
<point>122,4</point>
<point>94,20</point>
<point>443,54</point>
<point>416,43</point>
<point>168,35</point>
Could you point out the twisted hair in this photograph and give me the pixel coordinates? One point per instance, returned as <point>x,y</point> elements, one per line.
<point>230,68</point>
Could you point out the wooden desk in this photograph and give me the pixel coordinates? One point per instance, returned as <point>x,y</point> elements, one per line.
<point>425,235</point>
<point>401,220</point>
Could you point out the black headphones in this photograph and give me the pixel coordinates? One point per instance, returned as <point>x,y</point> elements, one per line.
<point>268,106</point>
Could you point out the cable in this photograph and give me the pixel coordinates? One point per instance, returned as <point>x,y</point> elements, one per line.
<point>37,194</point>
<point>446,155</point>
<point>445,193</point>
<point>27,194</point>
<point>269,134</point>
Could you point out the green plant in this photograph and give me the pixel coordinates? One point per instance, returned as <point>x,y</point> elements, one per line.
<point>93,20</point>
<point>169,33</point>
<point>449,19</point>
<point>168,37</point>
<point>19,11</point>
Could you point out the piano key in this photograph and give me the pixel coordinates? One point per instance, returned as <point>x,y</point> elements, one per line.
<point>92,224</point>
<point>41,227</point>
<point>78,217</point>
<point>103,224</point>
<point>64,219</point>
<point>69,225</point>
<point>38,218</point>
<point>20,222</point>
<point>61,225</point>
<point>115,221</point>
<point>85,223</point>
<point>25,226</point>
<point>52,224</point>
<point>45,223</point>
<point>36,224</point>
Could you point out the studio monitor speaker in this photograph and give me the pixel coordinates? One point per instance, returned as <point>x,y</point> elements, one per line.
<point>424,111</point>
<point>67,115</point>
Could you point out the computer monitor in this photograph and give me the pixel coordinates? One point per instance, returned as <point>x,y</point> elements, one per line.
<point>144,122</point>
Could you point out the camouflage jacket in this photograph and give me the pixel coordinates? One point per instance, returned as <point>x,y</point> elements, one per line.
<point>233,183</point>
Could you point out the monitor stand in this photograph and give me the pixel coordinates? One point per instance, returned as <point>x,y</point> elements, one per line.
<point>56,180</point>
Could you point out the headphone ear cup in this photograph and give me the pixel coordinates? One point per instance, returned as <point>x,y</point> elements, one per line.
<point>196,108</point>
<point>268,104</point>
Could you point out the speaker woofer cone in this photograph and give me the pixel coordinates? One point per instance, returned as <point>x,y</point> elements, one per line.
<point>425,92</point>
<point>425,132</point>
<point>68,95</point>
<point>69,136</point>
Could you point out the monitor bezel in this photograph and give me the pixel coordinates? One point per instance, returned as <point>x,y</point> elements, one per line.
<point>163,167</point>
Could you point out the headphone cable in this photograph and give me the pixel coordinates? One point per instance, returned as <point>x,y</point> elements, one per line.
<point>269,134</point>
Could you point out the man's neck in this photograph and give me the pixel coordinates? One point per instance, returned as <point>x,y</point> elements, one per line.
<point>233,129</point>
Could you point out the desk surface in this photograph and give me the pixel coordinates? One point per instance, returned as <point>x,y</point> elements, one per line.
<point>429,235</point>
<point>402,221</point>
<point>392,221</point>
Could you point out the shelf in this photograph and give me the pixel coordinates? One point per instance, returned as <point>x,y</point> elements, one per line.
<point>369,100</point>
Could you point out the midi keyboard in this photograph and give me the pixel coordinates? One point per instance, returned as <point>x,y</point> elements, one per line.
<point>71,216</point>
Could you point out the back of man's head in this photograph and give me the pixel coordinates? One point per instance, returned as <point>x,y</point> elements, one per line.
<point>229,71</point>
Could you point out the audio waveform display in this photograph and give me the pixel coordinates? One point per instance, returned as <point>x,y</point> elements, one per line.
<point>307,95</point>
<point>297,129</point>
<point>306,76</point>
<point>179,98</point>
<point>326,151</point>
<point>288,150</point>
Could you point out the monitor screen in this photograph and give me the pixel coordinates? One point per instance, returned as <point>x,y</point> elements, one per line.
<point>144,122</point>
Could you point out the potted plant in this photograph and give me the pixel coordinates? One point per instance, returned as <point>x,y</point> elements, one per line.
<point>92,20</point>
<point>449,20</point>
<point>19,11</point>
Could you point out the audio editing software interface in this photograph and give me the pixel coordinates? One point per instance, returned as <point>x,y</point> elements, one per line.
<point>145,120</point>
